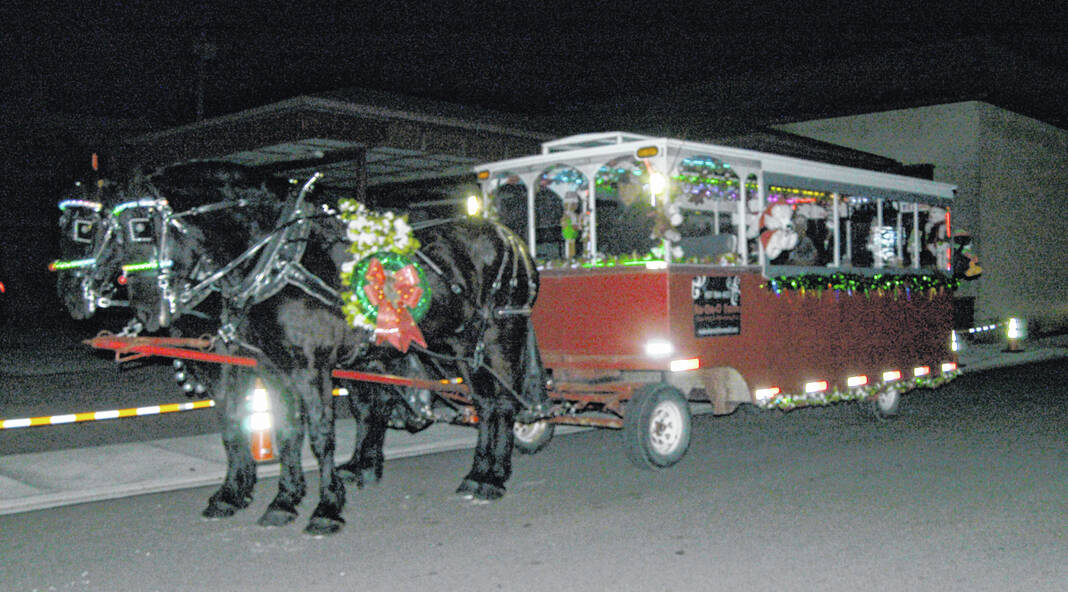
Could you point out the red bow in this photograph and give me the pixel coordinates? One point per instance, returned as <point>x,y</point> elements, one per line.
<point>394,295</point>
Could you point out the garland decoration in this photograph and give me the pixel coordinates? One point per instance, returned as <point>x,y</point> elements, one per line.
<point>791,401</point>
<point>387,292</point>
<point>854,283</point>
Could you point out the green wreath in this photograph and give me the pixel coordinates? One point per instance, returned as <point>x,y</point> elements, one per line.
<point>391,263</point>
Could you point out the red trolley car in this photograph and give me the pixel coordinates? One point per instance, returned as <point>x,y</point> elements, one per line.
<point>676,271</point>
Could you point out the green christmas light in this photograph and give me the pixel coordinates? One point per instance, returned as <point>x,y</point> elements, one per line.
<point>73,264</point>
<point>854,284</point>
<point>140,203</point>
<point>145,266</point>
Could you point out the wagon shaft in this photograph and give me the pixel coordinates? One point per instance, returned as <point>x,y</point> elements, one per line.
<point>128,348</point>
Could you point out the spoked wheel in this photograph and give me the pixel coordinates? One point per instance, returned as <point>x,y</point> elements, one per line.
<point>656,427</point>
<point>532,437</point>
<point>885,404</point>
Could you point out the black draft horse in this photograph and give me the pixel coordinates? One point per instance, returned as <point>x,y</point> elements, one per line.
<point>80,234</point>
<point>274,259</point>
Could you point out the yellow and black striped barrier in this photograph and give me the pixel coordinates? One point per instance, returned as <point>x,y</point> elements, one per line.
<point>26,422</point>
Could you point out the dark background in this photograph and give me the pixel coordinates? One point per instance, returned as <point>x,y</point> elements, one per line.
<point>78,76</point>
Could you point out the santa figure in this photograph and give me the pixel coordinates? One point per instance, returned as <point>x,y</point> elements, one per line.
<point>776,229</point>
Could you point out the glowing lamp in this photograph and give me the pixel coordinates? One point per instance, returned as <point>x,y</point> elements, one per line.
<point>817,386</point>
<point>891,375</point>
<point>647,152</point>
<point>1017,329</point>
<point>657,185</point>
<point>483,175</point>
<point>921,371</point>
<point>658,348</point>
<point>684,365</point>
<point>764,394</point>
<point>948,367</point>
<point>855,381</point>
<point>259,422</point>
<point>473,205</point>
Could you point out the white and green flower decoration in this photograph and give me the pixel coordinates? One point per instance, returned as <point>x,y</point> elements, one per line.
<point>369,232</point>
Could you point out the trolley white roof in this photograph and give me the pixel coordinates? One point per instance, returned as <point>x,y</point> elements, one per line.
<point>599,148</point>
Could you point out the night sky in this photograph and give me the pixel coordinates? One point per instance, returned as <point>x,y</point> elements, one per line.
<point>534,57</point>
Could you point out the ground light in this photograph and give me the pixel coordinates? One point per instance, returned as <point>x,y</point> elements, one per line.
<point>1015,332</point>
<point>259,422</point>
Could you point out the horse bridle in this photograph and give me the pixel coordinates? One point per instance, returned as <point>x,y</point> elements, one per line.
<point>276,256</point>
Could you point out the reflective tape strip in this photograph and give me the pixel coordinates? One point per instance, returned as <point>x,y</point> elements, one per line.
<point>25,422</point>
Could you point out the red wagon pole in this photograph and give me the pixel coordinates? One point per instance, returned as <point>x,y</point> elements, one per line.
<point>454,385</point>
<point>130,348</point>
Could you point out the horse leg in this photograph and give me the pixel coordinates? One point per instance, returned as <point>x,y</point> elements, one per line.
<point>492,465</point>
<point>370,407</point>
<point>291,485</point>
<point>236,491</point>
<point>319,407</point>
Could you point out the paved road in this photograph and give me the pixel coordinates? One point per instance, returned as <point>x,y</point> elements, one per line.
<point>967,490</point>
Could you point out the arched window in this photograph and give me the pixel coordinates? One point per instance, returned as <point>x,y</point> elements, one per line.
<point>707,192</point>
<point>559,212</point>
<point>625,213</point>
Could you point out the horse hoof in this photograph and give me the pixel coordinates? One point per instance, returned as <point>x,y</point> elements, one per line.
<point>276,517</point>
<point>348,473</point>
<point>215,511</point>
<point>323,526</point>
<point>467,488</point>
<point>369,477</point>
<point>470,489</point>
<point>219,507</point>
<point>361,477</point>
<point>488,493</point>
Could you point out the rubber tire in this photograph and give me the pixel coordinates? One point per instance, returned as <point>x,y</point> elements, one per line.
<point>533,437</point>
<point>886,404</point>
<point>646,412</point>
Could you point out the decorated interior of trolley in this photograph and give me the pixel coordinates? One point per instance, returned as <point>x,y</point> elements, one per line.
<point>617,198</point>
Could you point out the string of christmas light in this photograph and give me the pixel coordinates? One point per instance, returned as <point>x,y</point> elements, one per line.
<point>859,284</point>
<point>145,266</point>
<point>72,264</point>
<point>140,203</point>
<point>80,203</point>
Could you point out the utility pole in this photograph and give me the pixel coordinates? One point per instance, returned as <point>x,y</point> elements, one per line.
<point>205,52</point>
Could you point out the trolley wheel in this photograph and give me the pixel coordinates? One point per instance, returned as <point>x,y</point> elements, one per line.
<point>885,404</point>
<point>532,437</point>
<point>656,427</point>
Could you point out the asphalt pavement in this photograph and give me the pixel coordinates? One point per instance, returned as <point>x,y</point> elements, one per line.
<point>40,480</point>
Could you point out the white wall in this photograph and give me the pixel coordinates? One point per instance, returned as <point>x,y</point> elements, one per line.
<point>1012,174</point>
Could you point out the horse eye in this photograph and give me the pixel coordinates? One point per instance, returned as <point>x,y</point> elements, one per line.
<point>140,230</point>
<point>83,231</point>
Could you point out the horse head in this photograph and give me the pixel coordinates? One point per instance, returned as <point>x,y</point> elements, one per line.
<point>82,230</point>
<point>183,233</point>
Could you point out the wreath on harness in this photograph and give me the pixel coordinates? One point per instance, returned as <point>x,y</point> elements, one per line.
<point>386,290</point>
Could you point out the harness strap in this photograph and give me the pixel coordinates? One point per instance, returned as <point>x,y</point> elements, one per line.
<point>285,248</point>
